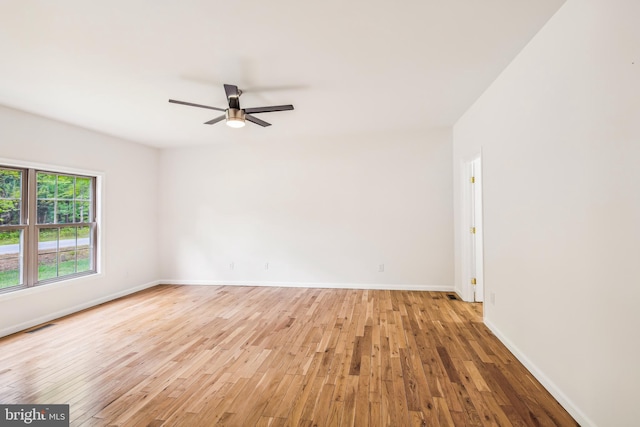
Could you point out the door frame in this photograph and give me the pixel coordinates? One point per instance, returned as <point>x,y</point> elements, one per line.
<point>472,217</point>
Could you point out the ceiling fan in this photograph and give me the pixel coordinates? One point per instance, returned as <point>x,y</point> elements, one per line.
<point>234,115</point>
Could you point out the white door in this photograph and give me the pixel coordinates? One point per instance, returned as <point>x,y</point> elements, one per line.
<point>475,229</point>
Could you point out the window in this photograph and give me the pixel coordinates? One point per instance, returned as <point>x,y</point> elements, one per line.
<point>47,227</point>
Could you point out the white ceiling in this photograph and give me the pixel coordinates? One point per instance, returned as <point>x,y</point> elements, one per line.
<point>348,67</point>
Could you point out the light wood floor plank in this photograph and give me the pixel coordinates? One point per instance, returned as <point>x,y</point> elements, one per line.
<point>234,356</point>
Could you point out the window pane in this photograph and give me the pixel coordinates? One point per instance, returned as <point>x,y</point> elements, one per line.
<point>10,258</point>
<point>47,240</point>
<point>84,249</point>
<point>82,211</point>
<point>67,238</point>
<point>46,210</point>
<point>67,256</point>
<point>83,236</point>
<point>47,253</point>
<point>47,266</point>
<point>64,212</point>
<point>83,188</point>
<point>9,212</point>
<point>66,263</point>
<point>46,185</point>
<point>10,184</point>
<point>84,260</point>
<point>66,187</point>
<point>10,196</point>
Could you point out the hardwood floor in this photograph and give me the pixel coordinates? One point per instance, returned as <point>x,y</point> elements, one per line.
<point>261,356</point>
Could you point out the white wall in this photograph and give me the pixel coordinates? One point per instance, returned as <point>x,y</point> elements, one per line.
<point>129,173</point>
<point>560,135</point>
<point>324,213</point>
<point>320,212</point>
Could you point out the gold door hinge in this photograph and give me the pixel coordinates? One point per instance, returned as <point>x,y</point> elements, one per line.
<point>472,179</point>
<point>473,281</point>
<point>473,230</point>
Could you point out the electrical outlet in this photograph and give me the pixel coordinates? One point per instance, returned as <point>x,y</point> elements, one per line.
<point>232,266</point>
<point>266,265</point>
<point>493,298</point>
<point>381,268</point>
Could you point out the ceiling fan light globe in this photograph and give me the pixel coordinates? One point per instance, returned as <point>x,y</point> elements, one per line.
<point>235,123</point>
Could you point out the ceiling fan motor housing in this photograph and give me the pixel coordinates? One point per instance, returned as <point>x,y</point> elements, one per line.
<point>235,114</point>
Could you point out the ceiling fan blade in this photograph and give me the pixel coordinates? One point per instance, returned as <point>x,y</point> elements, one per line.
<point>191,104</point>
<point>216,120</point>
<point>268,109</point>
<point>231,91</point>
<point>233,96</point>
<point>256,120</point>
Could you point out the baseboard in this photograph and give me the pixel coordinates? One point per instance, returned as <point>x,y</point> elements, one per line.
<point>70,310</point>
<point>371,286</point>
<point>551,387</point>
